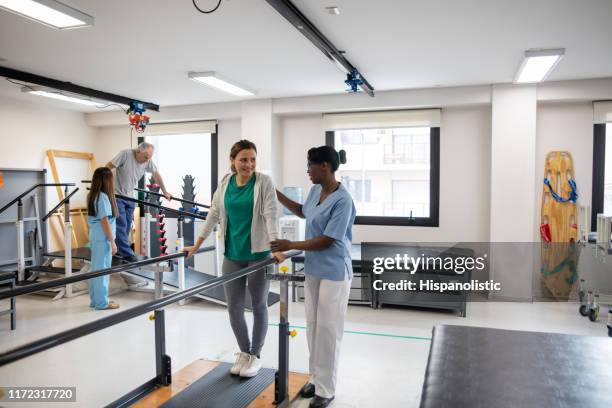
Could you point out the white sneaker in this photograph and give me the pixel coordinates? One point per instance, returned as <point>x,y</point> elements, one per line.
<point>251,368</point>
<point>241,361</point>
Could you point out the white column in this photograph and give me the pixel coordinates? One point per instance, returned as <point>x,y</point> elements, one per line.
<point>260,126</point>
<point>513,188</point>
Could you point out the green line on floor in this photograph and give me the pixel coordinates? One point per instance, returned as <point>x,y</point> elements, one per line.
<point>396,336</point>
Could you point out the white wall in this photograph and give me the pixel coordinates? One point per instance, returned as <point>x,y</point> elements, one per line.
<point>299,133</point>
<point>513,145</point>
<point>28,130</point>
<point>513,130</point>
<point>110,140</point>
<point>569,127</point>
<point>229,133</point>
<point>296,125</point>
<point>464,175</point>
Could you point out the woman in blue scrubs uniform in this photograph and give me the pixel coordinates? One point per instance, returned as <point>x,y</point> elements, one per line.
<point>102,211</point>
<point>329,212</point>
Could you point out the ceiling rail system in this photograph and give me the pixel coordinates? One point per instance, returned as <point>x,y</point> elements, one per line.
<point>304,26</point>
<point>72,88</point>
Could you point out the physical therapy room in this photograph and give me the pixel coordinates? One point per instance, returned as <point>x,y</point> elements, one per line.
<point>305,203</point>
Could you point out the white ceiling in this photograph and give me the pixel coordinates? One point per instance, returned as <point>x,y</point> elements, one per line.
<point>144,48</point>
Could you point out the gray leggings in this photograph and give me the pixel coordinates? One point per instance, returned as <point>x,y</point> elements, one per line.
<point>235,294</point>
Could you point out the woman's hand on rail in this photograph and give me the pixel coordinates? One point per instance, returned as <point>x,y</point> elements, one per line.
<point>190,250</point>
<point>280,257</point>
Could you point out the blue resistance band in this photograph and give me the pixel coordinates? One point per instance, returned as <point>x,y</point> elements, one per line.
<point>573,195</point>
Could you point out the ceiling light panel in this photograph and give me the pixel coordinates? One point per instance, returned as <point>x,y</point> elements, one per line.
<point>537,65</point>
<point>48,12</point>
<point>213,79</point>
<point>54,94</point>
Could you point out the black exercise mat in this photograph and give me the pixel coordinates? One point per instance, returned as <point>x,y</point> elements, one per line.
<point>83,254</point>
<point>220,389</point>
<point>477,367</point>
<point>77,253</point>
<point>194,278</point>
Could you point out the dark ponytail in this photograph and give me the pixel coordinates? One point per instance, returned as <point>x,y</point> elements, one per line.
<point>327,154</point>
<point>342,156</point>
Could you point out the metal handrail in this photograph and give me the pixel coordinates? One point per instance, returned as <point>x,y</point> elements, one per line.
<point>181,200</point>
<point>50,213</point>
<point>48,342</point>
<point>28,191</point>
<point>37,287</point>
<point>161,207</point>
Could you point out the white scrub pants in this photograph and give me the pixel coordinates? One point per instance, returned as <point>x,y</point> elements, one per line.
<point>326,302</point>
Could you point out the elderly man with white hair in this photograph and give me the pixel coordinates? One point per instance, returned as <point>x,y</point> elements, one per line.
<point>131,165</point>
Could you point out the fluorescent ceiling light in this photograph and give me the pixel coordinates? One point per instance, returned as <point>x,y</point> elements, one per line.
<point>537,65</point>
<point>61,96</point>
<point>48,12</point>
<point>211,78</point>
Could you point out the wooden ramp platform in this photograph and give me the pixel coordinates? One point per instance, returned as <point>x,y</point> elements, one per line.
<point>199,368</point>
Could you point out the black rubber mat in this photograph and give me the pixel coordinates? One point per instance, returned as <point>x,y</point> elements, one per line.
<point>194,278</point>
<point>83,253</point>
<point>77,253</point>
<point>220,389</point>
<point>47,269</point>
<point>472,367</point>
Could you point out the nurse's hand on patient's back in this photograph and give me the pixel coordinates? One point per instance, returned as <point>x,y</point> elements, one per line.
<point>280,257</point>
<point>113,248</point>
<point>280,245</point>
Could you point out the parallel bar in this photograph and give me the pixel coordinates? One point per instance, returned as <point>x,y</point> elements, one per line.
<point>50,213</point>
<point>70,87</point>
<point>282,389</point>
<point>134,395</point>
<point>64,337</point>
<point>20,243</point>
<point>37,287</point>
<point>28,191</point>
<point>181,262</point>
<point>173,198</point>
<point>161,207</point>
<point>161,367</point>
<point>67,243</point>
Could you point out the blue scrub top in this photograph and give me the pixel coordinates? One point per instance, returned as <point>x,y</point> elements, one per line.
<point>333,218</point>
<point>103,210</point>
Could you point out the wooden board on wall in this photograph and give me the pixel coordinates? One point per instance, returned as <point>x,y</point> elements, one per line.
<point>559,256</point>
<point>76,166</point>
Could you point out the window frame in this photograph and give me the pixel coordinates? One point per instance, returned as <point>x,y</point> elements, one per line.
<point>599,172</point>
<point>214,167</point>
<point>434,189</point>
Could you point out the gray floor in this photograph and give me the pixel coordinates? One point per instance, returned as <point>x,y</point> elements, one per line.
<point>383,361</point>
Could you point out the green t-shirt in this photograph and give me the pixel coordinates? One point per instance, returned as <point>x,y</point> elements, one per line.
<point>239,209</point>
